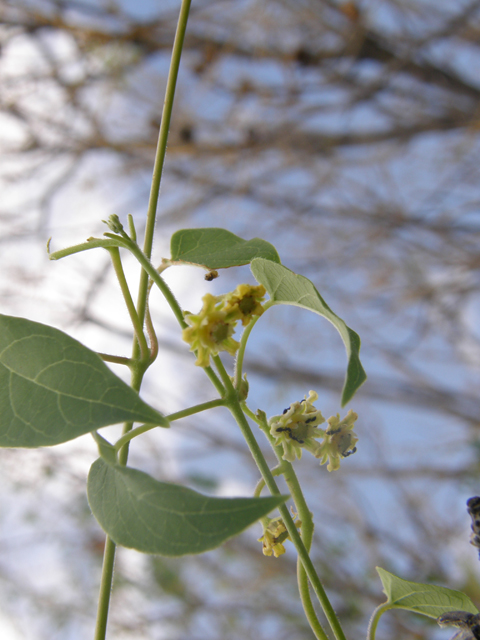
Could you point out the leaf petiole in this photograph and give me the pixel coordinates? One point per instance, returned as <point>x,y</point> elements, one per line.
<point>243,344</point>
<point>106,357</point>
<point>133,433</point>
<point>376,615</point>
<point>92,243</point>
<point>237,412</point>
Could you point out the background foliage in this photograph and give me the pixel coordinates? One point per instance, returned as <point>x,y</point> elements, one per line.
<point>345,134</point>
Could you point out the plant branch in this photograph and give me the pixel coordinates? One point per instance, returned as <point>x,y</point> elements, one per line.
<point>94,243</point>
<point>376,615</point>
<point>241,352</point>
<point>137,325</point>
<point>236,409</point>
<point>306,519</point>
<point>106,357</point>
<point>172,301</point>
<point>138,372</point>
<point>105,589</point>
<point>123,440</point>
<point>162,149</point>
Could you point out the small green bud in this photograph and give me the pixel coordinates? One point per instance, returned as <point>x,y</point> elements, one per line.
<point>243,389</point>
<point>114,224</point>
<point>261,415</point>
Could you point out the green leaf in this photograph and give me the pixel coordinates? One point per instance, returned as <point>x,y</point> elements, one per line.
<point>425,599</point>
<point>218,249</point>
<point>286,287</point>
<point>139,512</point>
<point>53,389</point>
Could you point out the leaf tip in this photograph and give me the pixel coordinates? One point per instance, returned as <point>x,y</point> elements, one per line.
<point>355,378</point>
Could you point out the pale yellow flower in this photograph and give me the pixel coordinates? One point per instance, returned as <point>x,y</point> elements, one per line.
<point>245,302</point>
<point>339,440</point>
<point>210,331</point>
<point>297,428</point>
<point>274,535</point>
<point>270,539</point>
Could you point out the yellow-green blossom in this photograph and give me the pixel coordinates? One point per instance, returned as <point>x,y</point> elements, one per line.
<point>245,302</point>
<point>339,440</point>
<point>272,538</point>
<point>210,330</point>
<point>297,428</point>
<point>274,535</point>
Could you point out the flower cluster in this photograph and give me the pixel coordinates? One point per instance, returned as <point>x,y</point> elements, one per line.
<point>211,330</point>
<point>274,535</point>
<point>298,428</point>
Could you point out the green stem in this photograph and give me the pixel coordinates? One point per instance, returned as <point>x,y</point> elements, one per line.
<point>243,343</point>
<point>94,243</point>
<point>162,148</point>
<point>204,406</point>
<point>276,471</point>
<point>109,552</point>
<point>137,325</point>
<point>372,626</point>
<point>149,270</point>
<point>152,336</point>
<point>170,298</point>
<point>138,371</point>
<point>105,589</point>
<point>307,604</point>
<point>128,362</point>
<point>241,352</point>
<point>306,519</point>
<point>289,523</point>
<point>132,232</point>
<point>235,408</point>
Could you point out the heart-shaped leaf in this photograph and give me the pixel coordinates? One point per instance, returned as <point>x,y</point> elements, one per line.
<point>286,287</point>
<point>218,249</point>
<point>426,599</point>
<point>53,389</point>
<point>141,513</point>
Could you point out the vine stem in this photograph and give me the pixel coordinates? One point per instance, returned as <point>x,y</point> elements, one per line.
<point>109,552</point>
<point>105,589</point>
<point>304,515</point>
<point>288,520</point>
<point>372,627</point>
<point>157,279</point>
<point>233,404</point>
<point>205,406</point>
<point>137,325</point>
<point>162,149</point>
<point>307,536</point>
<point>296,492</point>
<point>139,371</point>
<point>243,344</point>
